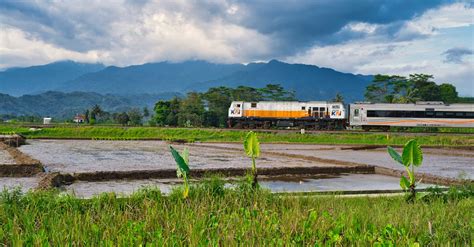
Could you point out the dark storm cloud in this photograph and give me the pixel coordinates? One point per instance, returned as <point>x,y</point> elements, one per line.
<point>292,25</point>
<point>456,55</point>
<point>304,23</point>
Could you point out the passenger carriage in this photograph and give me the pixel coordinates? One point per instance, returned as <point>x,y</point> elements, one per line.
<point>422,114</point>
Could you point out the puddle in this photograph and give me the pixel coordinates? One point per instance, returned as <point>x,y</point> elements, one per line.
<point>323,183</point>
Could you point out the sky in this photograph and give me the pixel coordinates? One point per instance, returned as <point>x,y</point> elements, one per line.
<point>357,36</point>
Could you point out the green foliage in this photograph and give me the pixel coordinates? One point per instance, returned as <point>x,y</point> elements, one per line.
<point>211,107</point>
<point>399,89</point>
<point>338,98</point>
<point>220,135</point>
<point>448,93</point>
<point>135,116</point>
<point>122,118</point>
<point>412,156</point>
<point>215,215</point>
<point>252,149</point>
<point>182,171</point>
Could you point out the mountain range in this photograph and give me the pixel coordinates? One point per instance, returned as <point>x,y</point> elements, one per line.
<point>111,84</point>
<point>67,105</point>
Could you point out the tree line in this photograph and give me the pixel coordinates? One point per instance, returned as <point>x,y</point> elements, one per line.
<point>210,108</point>
<point>415,87</point>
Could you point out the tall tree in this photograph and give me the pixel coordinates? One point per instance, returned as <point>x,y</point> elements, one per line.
<point>384,87</point>
<point>338,98</point>
<point>243,93</point>
<point>218,100</point>
<point>448,93</point>
<point>276,92</point>
<point>162,110</point>
<point>427,90</point>
<point>191,111</point>
<point>135,116</point>
<point>172,118</point>
<point>122,118</point>
<point>146,112</point>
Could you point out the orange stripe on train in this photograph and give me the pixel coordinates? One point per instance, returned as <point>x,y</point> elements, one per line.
<point>275,114</point>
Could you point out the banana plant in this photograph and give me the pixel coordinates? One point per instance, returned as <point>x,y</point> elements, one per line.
<point>182,171</point>
<point>252,149</point>
<point>411,157</point>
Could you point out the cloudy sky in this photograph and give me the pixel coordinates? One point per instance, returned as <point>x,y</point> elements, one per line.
<point>357,36</point>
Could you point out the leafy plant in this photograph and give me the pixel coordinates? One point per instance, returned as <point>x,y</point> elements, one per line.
<point>182,161</point>
<point>412,156</point>
<point>252,149</point>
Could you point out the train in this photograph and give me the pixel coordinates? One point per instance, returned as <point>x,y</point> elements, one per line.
<point>326,115</point>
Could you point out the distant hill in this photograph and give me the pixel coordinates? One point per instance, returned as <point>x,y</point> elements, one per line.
<point>36,79</point>
<point>308,81</point>
<point>150,77</point>
<point>66,105</point>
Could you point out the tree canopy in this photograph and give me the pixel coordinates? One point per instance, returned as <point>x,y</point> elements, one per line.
<point>415,87</point>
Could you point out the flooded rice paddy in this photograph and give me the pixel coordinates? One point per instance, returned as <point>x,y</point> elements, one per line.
<point>85,156</point>
<point>450,163</point>
<point>342,182</point>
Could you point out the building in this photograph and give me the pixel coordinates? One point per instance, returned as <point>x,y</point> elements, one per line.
<point>79,118</point>
<point>47,120</point>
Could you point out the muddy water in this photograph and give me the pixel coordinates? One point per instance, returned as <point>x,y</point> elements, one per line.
<point>69,156</point>
<point>441,162</point>
<point>348,182</point>
<point>25,184</point>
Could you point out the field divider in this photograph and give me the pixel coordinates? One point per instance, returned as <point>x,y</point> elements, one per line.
<point>24,166</point>
<point>427,178</point>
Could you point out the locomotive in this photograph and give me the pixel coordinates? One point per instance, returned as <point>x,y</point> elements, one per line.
<point>333,115</point>
<point>305,115</point>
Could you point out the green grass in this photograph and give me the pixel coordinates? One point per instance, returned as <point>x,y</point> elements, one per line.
<point>213,215</point>
<point>219,135</point>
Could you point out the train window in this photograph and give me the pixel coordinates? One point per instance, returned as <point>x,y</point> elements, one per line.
<point>356,112</point>
<point>253,105</point>
<point>238,105</point>
<point>419,114</point>
<point>469,114</point>
<point>303,108</point>
<point>459,114</point>
<point>335,107</point>
<point>322,109</point>
<point>439,114</point>
<point>429,114</point>
<point>315,108</point>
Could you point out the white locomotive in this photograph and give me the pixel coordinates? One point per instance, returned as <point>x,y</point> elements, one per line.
<point>264,114</point>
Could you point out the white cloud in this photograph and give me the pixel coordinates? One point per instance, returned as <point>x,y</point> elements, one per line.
<point>19,49</point>
<point>376,54</point>
<point>124,34</point>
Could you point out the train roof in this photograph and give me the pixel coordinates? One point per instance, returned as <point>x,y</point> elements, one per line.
<point>419,103</point>
<point>308,102</point>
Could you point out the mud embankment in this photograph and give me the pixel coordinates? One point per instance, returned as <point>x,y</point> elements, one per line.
<point>25,166</point>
